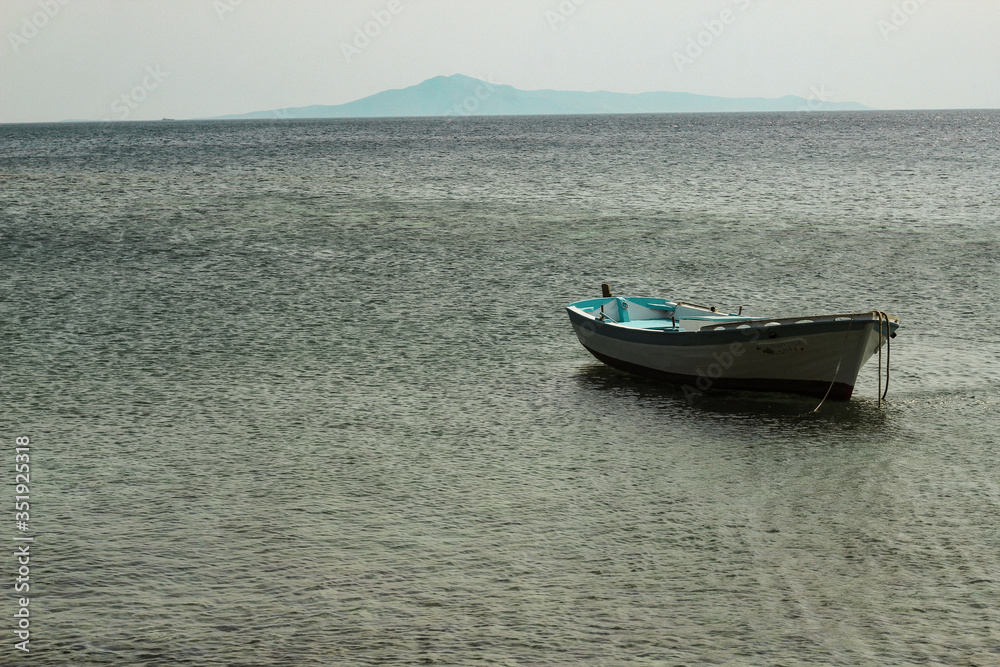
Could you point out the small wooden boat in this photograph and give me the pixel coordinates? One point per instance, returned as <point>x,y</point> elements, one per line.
<point>703,349</point>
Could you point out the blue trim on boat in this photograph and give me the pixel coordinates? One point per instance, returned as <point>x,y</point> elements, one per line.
<point>756,331</point>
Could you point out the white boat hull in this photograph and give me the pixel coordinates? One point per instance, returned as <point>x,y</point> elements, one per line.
<point>819,356</point>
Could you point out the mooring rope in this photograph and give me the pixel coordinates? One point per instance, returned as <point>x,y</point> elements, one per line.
<point>880,317</point>
<point>836,371</point>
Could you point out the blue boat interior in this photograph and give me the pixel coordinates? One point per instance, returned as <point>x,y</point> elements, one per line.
<point>658,314</point>
<point>655,313</point>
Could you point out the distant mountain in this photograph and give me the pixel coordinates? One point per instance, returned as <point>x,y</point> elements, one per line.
<point>460,95</point>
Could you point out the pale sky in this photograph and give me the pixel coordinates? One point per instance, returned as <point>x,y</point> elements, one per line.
<point>150,59</point>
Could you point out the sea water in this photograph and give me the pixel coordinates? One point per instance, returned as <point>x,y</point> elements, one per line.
<point>305,392</point>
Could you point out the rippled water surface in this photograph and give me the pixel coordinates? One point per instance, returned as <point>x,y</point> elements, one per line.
<point>304,393</point>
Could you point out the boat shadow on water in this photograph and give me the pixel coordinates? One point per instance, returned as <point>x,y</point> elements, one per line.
<point>758,405</point>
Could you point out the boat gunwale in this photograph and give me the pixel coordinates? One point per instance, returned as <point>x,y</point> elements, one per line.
<point>729,332</point>
<point>732,320</point>
<point>866,316</point>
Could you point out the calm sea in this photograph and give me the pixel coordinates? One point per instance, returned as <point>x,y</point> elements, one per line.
<point>304,392</point>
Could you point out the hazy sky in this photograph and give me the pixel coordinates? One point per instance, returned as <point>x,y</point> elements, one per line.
<point>149,59</point>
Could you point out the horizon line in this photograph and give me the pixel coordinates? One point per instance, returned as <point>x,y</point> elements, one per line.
<point>443,118</point>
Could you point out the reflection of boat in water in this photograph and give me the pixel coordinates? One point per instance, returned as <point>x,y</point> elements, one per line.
<point>702,349</point>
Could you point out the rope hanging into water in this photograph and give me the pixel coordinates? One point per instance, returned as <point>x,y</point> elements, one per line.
<point>878,320</point>
<point>833,380</point>
<point>882,316</point>
<point>888,352</point>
